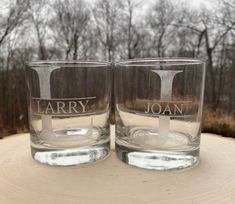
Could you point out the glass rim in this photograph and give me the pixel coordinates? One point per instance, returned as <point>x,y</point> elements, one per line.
<point>68,63</point>
<point>164,61</point>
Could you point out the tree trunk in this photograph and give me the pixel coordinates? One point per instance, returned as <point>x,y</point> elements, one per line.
<point>211,71</point>
<point>75,53</point>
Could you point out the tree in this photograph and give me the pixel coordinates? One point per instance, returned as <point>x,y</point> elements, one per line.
<point>106,15</point>
<point>40,24</point>
<point>160,19</point>
<point>11,19</point>
<point>16,14</point>
<point>129,26</point>
<point>70,20</point>
<point>211,33</point>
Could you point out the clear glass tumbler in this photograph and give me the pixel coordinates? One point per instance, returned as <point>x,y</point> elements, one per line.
<point>69,106</point>
<point>159,106</point>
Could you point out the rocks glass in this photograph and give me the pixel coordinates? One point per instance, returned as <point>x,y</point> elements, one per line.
<point>159,111</point>
<point>69,103</point>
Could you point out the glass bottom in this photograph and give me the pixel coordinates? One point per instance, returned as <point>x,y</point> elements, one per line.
<point>157,160</point>
<point>71,156</point>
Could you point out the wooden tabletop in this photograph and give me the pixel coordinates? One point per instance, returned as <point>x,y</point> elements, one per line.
<point>24,181</point>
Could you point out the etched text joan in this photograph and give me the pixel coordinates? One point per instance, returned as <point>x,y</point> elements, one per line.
<point>160,108</point>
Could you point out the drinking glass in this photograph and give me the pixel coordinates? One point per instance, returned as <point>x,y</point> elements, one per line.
<point>159,105</point>
<point>69,103</point>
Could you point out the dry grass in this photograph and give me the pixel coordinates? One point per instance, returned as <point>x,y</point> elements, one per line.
<point>218,123</point>
<point>214,122</point>
<point>4,132</point>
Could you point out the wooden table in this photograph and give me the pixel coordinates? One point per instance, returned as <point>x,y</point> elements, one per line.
<point>24,181</point>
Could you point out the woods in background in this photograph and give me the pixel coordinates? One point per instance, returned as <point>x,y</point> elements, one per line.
<point>112,30</point>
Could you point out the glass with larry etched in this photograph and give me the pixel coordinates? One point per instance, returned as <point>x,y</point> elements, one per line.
<point>158,112</point>
<point>69,111</point>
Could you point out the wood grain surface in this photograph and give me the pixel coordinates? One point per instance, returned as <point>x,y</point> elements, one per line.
<point>24,181</point>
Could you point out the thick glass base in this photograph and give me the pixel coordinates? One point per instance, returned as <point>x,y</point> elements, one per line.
<point>71,156</point>
<point>157,160</point>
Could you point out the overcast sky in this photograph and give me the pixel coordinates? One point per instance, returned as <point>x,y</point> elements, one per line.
<point>191,4</point>
<point>194,4</point>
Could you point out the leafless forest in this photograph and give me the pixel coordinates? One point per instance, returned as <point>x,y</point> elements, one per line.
<point>113,30</point>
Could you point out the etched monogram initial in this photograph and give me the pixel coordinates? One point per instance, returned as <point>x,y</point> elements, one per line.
<point>44,75</point>
<point>167,77</point>
<point>47,107</point>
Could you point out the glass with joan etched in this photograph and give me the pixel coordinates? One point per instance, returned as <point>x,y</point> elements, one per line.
<point>158,112</point>
<point>69,111</point>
